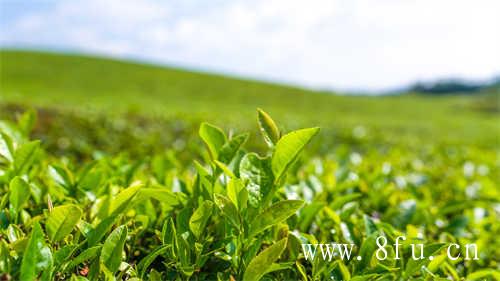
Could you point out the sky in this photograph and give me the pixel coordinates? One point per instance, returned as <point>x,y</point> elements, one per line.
<point>325,44</point>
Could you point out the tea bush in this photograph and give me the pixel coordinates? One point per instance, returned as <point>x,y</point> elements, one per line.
<point>233,214</point>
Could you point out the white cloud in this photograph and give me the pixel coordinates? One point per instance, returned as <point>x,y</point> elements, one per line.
<point>320,43</point>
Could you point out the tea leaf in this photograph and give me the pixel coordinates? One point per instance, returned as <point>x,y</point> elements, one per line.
<point>37,257</point>
<point>268,128</point>
<point>366,251</point>
<point>63,254</point>
<point>87,254</point>
<point>229,149</point>
<point>143,265</point>
<point>123,200</point>
<point>213,137</point>
<point>257,173</point>
<point>482,274</point>
<point>288,148</point>
<point>275,214</point>
<point>95,235</point>
<point>60,176</point>
<point>160,194</point>
<point>413,265</point>
<point>228,209</point>
<point>19,193</point>
<point>6,147</point>
<point>61,221</point>
<point>112,249</point>
<point>25,155</point>
<point>260,265</point>
<point>200,217</point>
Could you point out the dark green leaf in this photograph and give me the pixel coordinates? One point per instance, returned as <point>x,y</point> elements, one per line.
<point>143,265</point>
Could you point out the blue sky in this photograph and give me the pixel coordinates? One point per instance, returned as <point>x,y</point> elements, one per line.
<point>339,44</point>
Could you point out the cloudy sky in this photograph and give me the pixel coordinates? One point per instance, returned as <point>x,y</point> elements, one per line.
<point>340,44</point>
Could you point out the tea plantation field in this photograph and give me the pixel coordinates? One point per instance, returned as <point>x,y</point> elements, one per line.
<point>113,170</point>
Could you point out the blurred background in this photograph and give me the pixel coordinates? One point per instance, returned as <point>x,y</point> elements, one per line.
<point>388,71</point>
<point>348,45</point>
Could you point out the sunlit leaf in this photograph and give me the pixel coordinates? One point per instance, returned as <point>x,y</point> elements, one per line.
<point>260,265</point>
<point>278,212</point>
<point>200,217</point>
<point>288,148</point>
<point>37,257</point>
<point>268,128</point>
<point>213,137</point>
<point>19,193</point>
<point>111,253</point>
<point>62,220</point>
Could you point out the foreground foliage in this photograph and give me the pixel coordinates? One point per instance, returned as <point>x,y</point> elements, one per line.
<point>238,215</point>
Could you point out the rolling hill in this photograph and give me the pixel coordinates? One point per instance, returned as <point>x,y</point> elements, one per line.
<point>87,85</point>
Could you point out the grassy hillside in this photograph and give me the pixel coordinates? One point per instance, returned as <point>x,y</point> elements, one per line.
<point>96,85</point>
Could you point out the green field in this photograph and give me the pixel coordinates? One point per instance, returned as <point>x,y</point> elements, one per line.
<point>86,84</point>
<point>127,183</point>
